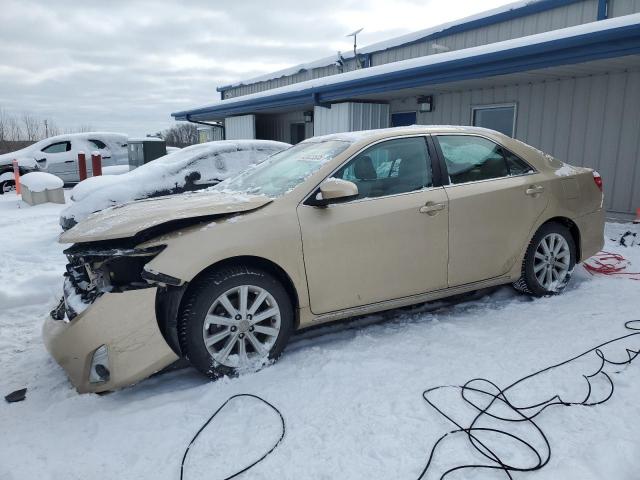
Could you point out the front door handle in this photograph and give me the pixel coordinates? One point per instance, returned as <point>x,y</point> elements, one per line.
<point>431,208</point>
<point>534,190</point>
<point>69,161</point>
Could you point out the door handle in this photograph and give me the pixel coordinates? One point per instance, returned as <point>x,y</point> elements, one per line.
<point>69,161</point>
<point>431,208</point>
<point>534,190</point>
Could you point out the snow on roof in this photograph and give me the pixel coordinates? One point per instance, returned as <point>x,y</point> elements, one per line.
<point>384,45</point>
<point>528,41</point>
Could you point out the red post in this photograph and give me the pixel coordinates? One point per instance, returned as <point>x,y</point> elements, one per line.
<point>16,176</point>
<point>96,164</point>
<point>82,166</point>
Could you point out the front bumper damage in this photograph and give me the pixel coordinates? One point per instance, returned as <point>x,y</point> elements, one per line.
<point>105,333</point>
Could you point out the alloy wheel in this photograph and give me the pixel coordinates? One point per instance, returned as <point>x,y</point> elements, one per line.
<point>241,326</point>
<point>551,262</point>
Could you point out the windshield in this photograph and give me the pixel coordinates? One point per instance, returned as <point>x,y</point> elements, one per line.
<point>285,170</point>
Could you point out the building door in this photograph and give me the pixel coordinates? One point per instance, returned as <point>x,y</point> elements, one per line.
<point>297,133</point>
<point>403,119</point>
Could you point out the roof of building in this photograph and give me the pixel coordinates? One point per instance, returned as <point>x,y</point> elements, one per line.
<point>489,17</point>
<point>591,41</point>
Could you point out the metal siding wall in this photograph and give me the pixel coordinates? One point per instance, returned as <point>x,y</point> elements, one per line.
<point>350,117</point>
<point>587,121</point>
<point>240,128</point>
<point>566,16</point>
<point>618,8</point>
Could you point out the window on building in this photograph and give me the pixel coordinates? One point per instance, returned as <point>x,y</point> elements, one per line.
<point>403,119</point>
<point>59,147</point>
<point>395,166</point>
<point>501,118</point>
<point>472,159</point>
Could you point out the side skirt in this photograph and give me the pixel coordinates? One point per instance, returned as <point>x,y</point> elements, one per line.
<point>406,301</point>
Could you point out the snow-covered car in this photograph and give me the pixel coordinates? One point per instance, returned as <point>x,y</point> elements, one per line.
<point>336,226</point>
<point>59,155</point>
<point>191,168</point>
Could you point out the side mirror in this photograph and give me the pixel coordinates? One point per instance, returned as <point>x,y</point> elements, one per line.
<point>334,190</point>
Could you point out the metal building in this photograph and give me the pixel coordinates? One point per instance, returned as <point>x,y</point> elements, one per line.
<point>561,75</point>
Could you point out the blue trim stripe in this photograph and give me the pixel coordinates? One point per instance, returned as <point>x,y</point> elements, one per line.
<point>523,11</point>
<point>610,43</point>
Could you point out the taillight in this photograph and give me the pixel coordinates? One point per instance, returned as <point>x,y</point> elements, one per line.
<point>597,179</point>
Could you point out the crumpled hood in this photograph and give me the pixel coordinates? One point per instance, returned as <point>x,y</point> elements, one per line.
<point>124,221</point>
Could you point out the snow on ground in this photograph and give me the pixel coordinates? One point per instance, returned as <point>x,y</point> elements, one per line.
<point>350,394</point>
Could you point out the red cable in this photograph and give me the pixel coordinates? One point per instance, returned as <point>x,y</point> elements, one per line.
<point>608,263</point>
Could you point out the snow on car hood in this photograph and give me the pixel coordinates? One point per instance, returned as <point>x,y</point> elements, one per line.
<point>124,221</point>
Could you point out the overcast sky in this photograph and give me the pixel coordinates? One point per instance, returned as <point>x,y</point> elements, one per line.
<point>125,65</point>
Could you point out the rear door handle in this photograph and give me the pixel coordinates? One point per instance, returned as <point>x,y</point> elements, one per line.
<point>534,190</point>
<point>69,161</point>
<point>431,208</point>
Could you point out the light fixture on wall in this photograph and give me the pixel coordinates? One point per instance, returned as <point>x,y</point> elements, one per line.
<point>308,116</point>
<point>425,103</point>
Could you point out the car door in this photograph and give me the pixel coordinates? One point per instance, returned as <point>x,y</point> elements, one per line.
<point>388,243</point>
<point>57,158</point>
<point>495,199</point>
<point>99,146</point>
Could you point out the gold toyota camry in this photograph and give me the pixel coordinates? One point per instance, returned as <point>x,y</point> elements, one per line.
<point>336,226</point>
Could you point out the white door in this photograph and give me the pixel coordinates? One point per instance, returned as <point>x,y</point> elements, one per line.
<point>58,159</point>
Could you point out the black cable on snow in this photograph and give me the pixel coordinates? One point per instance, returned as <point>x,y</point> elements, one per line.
<point>248,467</point>
<point>494,395</point>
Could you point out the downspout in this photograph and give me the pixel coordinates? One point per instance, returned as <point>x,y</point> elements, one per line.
<point>207,124</point>
<point>603,9</point>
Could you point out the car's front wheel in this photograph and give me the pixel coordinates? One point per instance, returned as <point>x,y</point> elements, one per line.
<point>548,262</point>
<point>7,186</point>
<point>234,319</point>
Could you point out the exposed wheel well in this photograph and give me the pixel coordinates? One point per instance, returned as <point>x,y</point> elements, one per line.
<point>169,299</point>
<point>573,229</point>
<point>263,264</point>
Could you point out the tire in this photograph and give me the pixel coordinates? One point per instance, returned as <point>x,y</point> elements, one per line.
<point>535,267</point>
<point>207,295</point>
<point>7,186</point>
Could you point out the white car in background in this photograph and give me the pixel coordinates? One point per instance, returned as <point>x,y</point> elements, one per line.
<point>59,155</point>
<point>192,168</point>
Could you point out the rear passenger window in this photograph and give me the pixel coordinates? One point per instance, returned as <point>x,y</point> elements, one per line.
<point>387,168</point>
<point>472,159</point>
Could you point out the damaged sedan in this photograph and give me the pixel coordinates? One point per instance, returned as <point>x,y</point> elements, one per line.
<point>336,226</point>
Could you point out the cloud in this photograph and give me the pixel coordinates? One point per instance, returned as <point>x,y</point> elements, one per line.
<point>126,65</point>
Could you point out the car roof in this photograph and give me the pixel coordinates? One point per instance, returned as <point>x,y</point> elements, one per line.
<point>366,136</point>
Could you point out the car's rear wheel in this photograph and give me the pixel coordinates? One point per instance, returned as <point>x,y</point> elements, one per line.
<point>234,319</point>
<point>7,186</point>
<point>548,262</point>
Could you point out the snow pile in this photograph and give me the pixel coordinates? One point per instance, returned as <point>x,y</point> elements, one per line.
<point>41,181</point>
<point>204,164</point>
<point>351,394</point>
<point>115,169</point>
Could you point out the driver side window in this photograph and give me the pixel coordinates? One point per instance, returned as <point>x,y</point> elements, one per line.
<point>395,166</point>
<point>59,147</point>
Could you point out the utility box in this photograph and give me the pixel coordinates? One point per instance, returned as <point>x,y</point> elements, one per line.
<point>144,150</point>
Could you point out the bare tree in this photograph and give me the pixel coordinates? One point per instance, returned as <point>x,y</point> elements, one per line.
<point>180,135</point>
<point>32,127</point>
